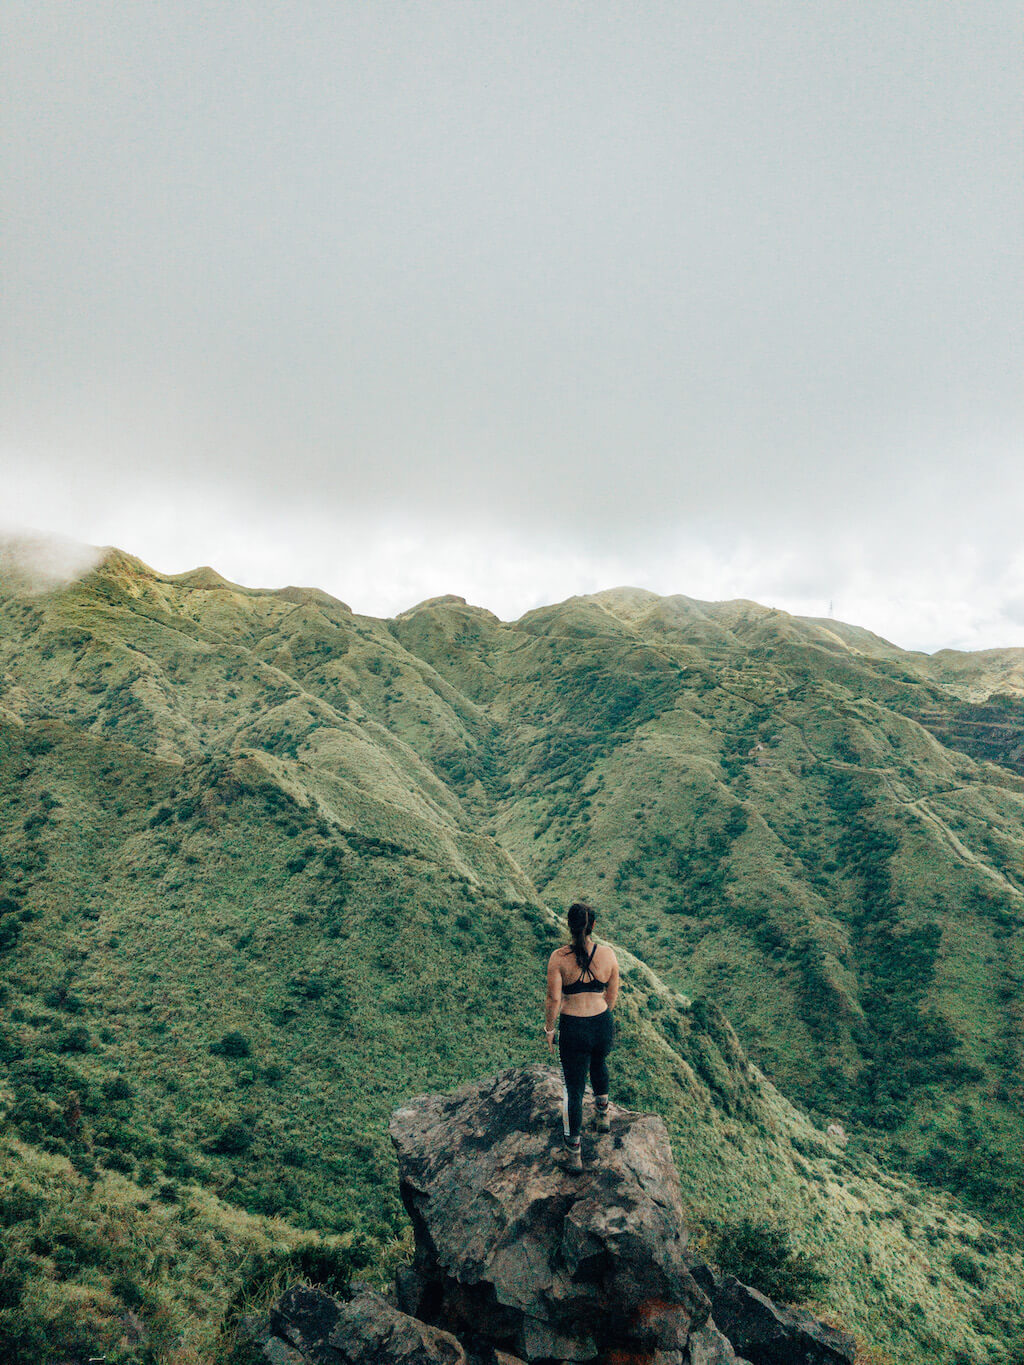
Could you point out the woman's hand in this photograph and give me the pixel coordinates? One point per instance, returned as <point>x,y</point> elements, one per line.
<point>551,1039</point>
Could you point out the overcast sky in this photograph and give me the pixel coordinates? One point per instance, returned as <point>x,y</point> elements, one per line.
<point>521,300</point>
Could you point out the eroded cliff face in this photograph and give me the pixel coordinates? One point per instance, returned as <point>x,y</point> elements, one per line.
<point>991,729</point>
<point>518,1259</point>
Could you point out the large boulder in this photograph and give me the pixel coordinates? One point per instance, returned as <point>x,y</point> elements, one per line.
<point>304,1319</point>
<point>308,1327</point>
<point>769,1335</point>
<point>370,1331</point>
<point>515,1252</point>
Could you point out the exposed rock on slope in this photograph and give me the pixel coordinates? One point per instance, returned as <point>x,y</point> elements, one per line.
<point>511,1246</point>
<point>517,1259</point>
<point>308,1327</point>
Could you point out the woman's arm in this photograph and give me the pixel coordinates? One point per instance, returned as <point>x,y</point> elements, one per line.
<point>611,991</point>
<point>553,1001</point>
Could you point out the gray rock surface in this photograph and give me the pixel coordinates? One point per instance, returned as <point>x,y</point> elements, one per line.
<point>370,1331</point>
<point>304,1319</point>
<point>537,1260</point>
<point>709,1346</point>
<point>308,1327</point>
<point>769,1335</point>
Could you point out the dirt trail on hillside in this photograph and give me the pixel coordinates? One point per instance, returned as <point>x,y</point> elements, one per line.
<point>920,804</point>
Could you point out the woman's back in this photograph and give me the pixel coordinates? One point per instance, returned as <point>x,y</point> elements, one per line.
<point>583,988</point>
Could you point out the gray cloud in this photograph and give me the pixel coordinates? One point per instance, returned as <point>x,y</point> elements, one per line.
<point>725,291</point>
<point>36,562</point>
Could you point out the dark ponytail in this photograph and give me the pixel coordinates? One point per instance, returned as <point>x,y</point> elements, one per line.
<point>581,920</point>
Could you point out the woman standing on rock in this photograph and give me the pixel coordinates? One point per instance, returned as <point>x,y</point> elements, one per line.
<point>583,983</point>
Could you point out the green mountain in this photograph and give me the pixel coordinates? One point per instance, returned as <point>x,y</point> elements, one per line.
<point>793,818</point>
<point>269,867</point>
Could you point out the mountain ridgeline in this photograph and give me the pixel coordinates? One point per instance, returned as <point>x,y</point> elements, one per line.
<point>268,866</point>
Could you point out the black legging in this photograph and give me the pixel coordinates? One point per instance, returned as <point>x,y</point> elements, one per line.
<point>584,1041</point>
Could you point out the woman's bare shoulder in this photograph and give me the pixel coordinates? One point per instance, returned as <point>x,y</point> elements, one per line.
<point>607,956</point>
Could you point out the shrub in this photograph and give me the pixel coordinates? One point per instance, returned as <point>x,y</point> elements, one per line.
<point>234,1139</point>
<point>19,1204</point>
<point>761,1255</point>
<point>310,987</point>
<point>75,1040</point>
<point>232,1045</point>
<point>967,1268</point>
<point>116,1161</point>
<point>117,1088</point>
<point>36,1116</point>
<point>62,999</point>
<point>15,1269</point>
<point>10,932</point>
<point>132,1292</point>
<point>330,1264</point>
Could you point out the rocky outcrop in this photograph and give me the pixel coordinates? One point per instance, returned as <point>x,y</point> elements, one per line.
<point>520,1260</point>
<point>308,1327</point>
<point>543,1262</point>
<point>767,1334</point>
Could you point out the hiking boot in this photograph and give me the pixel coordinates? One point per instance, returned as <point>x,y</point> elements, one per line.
<point>571,1157</point>
<point>602,1124</point>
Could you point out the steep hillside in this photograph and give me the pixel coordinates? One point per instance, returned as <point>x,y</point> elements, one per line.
<point>269,866</point>
<point>749,800</point>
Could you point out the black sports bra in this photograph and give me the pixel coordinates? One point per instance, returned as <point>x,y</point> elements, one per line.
<point>579,985</point>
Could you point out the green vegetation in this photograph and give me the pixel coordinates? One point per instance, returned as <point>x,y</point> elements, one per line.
<point>762,1254</point>
<point>268,867</point>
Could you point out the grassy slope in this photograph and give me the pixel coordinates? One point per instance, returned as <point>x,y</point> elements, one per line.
<point>766,824</point>
<point>256,818</point>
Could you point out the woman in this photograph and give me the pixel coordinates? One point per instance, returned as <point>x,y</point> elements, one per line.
<point>583,983</point>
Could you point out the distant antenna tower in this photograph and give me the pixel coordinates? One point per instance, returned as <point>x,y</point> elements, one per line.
<point>830,611</point>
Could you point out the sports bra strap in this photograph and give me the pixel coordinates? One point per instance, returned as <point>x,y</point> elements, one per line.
<point>586,968</point>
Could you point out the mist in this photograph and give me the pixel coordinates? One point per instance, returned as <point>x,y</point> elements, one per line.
<point>34,562</point>
<point>522,302</point>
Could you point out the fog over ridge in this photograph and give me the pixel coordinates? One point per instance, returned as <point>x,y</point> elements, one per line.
<point>33,561</point>
<point>518,303</point>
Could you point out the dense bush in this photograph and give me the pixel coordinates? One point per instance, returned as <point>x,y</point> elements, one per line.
<point>75,1040</point>
<point>232,1045</point>
<point>967,1268</point>
<point>10,932</point>
<point>116,1089</point>
<point>761,1255</point>
<point>234,1139</point>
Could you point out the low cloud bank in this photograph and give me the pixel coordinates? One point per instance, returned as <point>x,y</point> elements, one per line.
<point>951,594</point>
<point>33,562</point>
